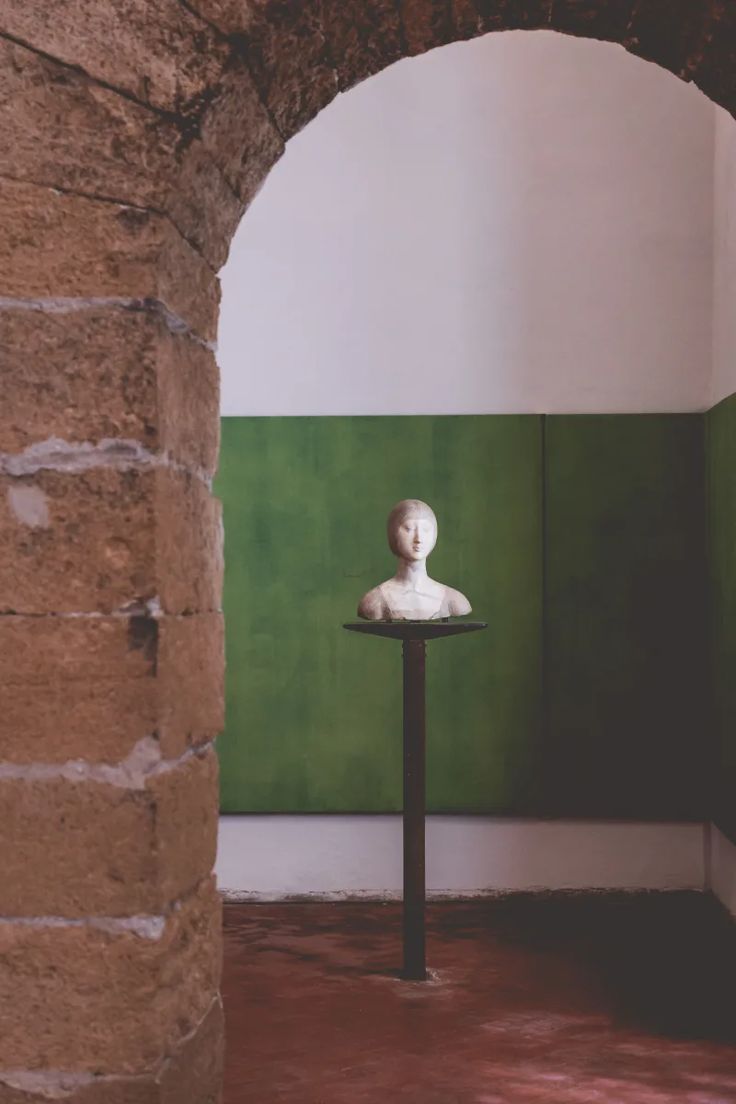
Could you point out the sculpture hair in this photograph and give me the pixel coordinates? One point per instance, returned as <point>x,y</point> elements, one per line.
<point>402,510</point>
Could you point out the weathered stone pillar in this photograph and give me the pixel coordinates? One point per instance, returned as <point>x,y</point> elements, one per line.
<point>111,659</point>
<point>131,139</point>
<point>113,219</point>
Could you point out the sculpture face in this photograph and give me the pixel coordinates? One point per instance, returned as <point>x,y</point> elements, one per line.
<point>411,595</point>
<point>414,537</point>
<point>412,530</point>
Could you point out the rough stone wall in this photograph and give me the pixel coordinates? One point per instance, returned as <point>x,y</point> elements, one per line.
<point>133,134</point>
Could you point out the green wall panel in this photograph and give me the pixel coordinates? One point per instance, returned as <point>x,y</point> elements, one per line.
<point>588,694</point>
<point>626,730</point>
<point>314,712</point>
<point>721,438</point>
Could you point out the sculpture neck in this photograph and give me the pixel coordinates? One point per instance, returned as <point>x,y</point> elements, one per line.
<point>411,571</point>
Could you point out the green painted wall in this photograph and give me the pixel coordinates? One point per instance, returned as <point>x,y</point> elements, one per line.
<point>314,712</point>
<point>625,616</point>
<point>721,437</point>
<point>610,529</point>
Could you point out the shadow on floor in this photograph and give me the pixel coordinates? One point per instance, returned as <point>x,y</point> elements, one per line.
<point>559,999</point>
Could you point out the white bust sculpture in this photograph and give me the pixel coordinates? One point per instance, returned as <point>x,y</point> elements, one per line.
<point>411,595</point>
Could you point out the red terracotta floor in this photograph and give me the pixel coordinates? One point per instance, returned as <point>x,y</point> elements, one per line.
<point>618,999</point>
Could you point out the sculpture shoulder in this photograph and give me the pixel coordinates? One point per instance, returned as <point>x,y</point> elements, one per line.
<point>457,604</point>
<point>372,606</point>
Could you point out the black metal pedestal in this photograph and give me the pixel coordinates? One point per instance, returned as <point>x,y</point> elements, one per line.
<point>414,635</point>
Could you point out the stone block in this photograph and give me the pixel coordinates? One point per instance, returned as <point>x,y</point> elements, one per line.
<point>34,1086</point>
<point>92,688</point>
<point>62,130</point>
<point>427,23</point>
<point>77,542</point>
<point>671,33</point>
<point>189,544</point>
<point>191,681</point>
<point>230,17</point>
<point>239,134</point>
<point>162,54</point>
<point>191,1074</point>
<point>466,19</point>
<point>109,539</point>
<point>186,801</point>
<point>592,18</point>
<point>76,688</point>
<point>287,54</point>
<point>75,846</point>
<point>105,1001</point>
<point>474,17</point>
<point>61,246</point>
<point>203,205</point>
<point>97,374</point>
<point>715,71</point>
<point>364,36</point>
<point>188,402</point>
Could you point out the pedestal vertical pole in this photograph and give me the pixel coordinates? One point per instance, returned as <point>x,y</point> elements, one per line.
<point>414,758</point>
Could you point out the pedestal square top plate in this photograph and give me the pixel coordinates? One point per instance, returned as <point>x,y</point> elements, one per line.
<point>415,630</point>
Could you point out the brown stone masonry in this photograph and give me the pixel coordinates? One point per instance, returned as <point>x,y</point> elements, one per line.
<point>142,986</point>
<point>108,538</point>
<point>118,682</point>
<point>192,1074</point>
<point>96,374</point>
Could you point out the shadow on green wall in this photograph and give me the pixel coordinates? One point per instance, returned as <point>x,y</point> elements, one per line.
<point>722,564</point>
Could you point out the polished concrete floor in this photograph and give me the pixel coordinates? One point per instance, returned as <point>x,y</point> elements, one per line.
<point>534,1000</point>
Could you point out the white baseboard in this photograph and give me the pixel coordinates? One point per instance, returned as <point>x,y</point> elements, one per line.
<point>335,857</point>
<point>723,869</point>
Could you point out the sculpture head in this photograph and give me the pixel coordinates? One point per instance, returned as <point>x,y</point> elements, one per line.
<point>412,530</point>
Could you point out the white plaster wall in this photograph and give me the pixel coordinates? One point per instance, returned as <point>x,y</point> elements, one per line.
<point>724,259</point>
<point>272,857</point>
<point>722,864</point>
<point>520,223</point>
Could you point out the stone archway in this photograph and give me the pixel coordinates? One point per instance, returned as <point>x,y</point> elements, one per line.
<point>134,137</point>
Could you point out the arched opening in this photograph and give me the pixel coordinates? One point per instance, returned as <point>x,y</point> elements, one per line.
<point>527,248</point>
<point>128,173</point>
